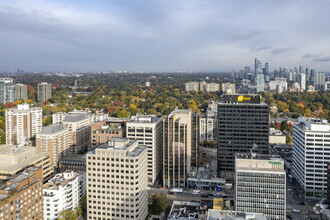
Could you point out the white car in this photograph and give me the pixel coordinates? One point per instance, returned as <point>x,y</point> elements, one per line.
<point>196,192</point>
<point>296,210</point>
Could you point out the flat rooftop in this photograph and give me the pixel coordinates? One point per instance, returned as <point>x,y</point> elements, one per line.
<point>258,157</point>
<point>184,210</point>
<point>74,157</point>
<point>144,119</point>
<point>12,150</point>
<point>214,214</point>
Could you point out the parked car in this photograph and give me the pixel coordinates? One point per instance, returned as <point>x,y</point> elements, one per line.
<point>296,210</point>
<point>196,192</point>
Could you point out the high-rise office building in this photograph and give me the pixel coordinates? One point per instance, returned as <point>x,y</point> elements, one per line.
<point>319,80</point>
<point>14,159</point>
<point>21,197</point>
<point>117,180</point>
<point>80,129</point>
<point>242,122</point>
<point>180,151</point>
<point>22,123</point>
<point>44,91</point>
<point>56,140</point>
<point>148,130</point>
<point>257,66</point>
<point>247,70</point>
<point>260,82</point>
<point>302,80</point>
<point>7,90</point>
<point>266,68</point>
<point>311,147</point>
<point>63,192</point>
<point>260,185</point>
<point>21,91</point>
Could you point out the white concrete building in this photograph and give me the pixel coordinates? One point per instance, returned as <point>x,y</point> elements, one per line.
<point>63,192</point>
<point>44,91</point>
<point>117,180</point>
<point>148,130</point>
<point>228,88</point>
<point>311,152</point>
<point>58,117</point>
<point>212,87</point>
<point>260,185</point>
<point>192,86</point>
<point>22,123</point>
<point>7,90</point>
<point>279,85</point>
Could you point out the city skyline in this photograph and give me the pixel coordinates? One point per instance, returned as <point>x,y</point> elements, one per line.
<point>194,35</point>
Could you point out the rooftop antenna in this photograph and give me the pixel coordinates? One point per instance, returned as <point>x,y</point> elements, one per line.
<point>254,147</point>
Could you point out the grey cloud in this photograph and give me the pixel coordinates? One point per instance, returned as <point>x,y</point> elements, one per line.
<point>322,59</point>
<point>282,50</point>
<point>247,36</point>
<point>262,48</point>
<point>308,55</point>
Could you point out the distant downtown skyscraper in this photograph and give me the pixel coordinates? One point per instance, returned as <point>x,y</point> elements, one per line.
<point>117,180</point>
<point>180,146</point>
<point>257,66</point>
<point>242,122</point>
<point>44,91</point>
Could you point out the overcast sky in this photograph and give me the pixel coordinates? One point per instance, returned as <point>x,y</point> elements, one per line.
<point>163,35</point>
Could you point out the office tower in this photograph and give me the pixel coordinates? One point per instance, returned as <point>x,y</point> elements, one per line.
<point>44,91</point>
<point>80,129</point>
<point>257,66</point>
<point>260,184</point>
<point>212,87</point>
<point>21,92</point>
<point>302,69</point>
<point>195,142</point>
<point>302,80</point>
<point>266,69</point>
<point>21,197</point>
<point>14,159</point>
<point>192,86</point>
<point>117,180</point>
<point>7,90</point>
<point>103,131</point>
<point>247,70</point>
<point>58,117</point>
<point>260,83</point>
<point>63,192</point>
<point>228,88</point>
<point>56,140</point>
<point>310,155</point>
<point>242,121</point>
<point>319,80</point>
<point>148,130</point>
<point>178,147</point>
<point>328,183</point>
<point>22,123</point>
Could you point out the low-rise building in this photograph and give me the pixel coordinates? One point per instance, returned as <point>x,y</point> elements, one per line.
<point>276,137</point>
<point>103,131</point>
<point>75,162</point>
<point>63,192</point>
<point>14,159</point>
<point>214,214</point>
<point>204,179</point>
<point>184,210</point>
<point>21,197</point>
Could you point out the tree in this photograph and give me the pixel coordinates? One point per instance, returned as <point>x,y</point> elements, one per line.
<point>123,114</point>
<point>68,215</point>
<point>159,202</point>
<point>284,125</point>
<point>152,111</point>
<point>289,139</point>
<point>83,203</point>
<point>278,126</point>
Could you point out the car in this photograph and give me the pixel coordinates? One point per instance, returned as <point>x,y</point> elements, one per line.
<point>296,210</point>
<point>204,195</point>
<point>289,216</point>
<point>217,194</point>
<point>196,192</point>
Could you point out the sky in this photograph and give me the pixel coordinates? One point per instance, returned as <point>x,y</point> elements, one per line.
<point>163,35</point>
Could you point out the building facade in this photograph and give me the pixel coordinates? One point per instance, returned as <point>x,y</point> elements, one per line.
<point>44,91</point>
<point>228,88</point>
<point>179,149</point>
<point>212,87</point>
<point>22,123</point>
<point>63,192</point>
<point>56,140</point>
<point>7,90</point>
<point>103,131</point>
<point>117,180</point>
<point>208,124</point>
<point>243,121</point>
<point>58,117</point>
<point>75,162</point>
<point>260,185</point>
<point>80,129</point>
<point>21,92</point>
<point>21,197</point>
<point>311,152</point>
<point>14,159</point>
<point>148,130</point>
<point>192,86</point>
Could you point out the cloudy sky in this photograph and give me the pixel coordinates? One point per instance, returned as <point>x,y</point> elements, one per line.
<point>162,35</point>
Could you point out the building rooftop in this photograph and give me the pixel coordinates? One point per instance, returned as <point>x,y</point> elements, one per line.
<point>313,124</point>
<point>259,162</point>
<point>258,157</point>
<point>74,117</point>
<point>241,99</point>
<point>214,214</point>
<point>184,210</point>
<point>121,144</point>
<point>74,157</point>
<point>51,129</point>
<point>144,119</point>
<point>60,179</point>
